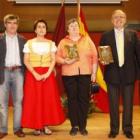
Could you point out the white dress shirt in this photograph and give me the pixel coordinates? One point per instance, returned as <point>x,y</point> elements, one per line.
<point>116,36</point>
<point>12,51</point>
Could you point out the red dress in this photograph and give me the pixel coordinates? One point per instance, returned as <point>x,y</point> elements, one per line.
<point>41,102</point>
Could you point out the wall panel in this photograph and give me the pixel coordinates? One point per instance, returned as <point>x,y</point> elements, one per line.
<point>97,16</point>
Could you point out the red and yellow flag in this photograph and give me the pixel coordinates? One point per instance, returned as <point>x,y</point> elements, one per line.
<point>101,98</point>
<point>84,31</point>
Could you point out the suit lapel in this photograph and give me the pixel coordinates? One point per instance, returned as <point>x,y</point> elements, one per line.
<point>20,44</point>
<point>126,37</point>
<point>4,43</point>
<point>113,45</point>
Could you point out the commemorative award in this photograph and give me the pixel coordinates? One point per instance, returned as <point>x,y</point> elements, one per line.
<point>105,54</point>
<point>72,51</point>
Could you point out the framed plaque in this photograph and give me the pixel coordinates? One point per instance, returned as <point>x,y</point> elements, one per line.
<point>72,51</point>
<point>105,54</point>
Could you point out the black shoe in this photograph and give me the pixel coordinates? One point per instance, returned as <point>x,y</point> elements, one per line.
<point>73,131</point>
<point>129,135</point>
<point>2,134</point>
<point>19,133</point>
<point>83,131</point>
<point>112,134</point>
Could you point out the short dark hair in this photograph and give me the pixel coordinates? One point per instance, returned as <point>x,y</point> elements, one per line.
<point>38,21</point>
<point>11,16</point>
<point>72,21</point>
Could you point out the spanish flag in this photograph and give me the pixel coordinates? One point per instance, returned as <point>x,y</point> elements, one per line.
<point>102,99</point>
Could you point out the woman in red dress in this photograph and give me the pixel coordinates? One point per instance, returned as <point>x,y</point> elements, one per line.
<point>41,104</point>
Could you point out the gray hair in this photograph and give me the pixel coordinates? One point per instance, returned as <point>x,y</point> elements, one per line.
<point>119,11</point>
<point>11,16</point>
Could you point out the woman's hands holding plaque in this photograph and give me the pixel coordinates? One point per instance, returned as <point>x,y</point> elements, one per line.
<point>69,61</point>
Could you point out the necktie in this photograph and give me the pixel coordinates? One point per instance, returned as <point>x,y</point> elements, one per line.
<point>120,49</point>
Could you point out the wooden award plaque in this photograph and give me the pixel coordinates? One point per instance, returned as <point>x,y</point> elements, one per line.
<point>72,51</point>
<point>105,54</point>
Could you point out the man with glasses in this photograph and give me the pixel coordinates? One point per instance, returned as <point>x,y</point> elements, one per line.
<point>120,76</point>
<point>11,74</point>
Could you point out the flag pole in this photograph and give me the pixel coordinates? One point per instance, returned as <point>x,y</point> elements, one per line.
<point>62,1</point>
<point>78,9</point>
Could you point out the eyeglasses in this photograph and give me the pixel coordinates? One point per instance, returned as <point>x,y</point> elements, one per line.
<point>14,23</point>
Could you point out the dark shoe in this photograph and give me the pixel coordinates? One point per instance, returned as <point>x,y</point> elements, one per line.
<point>19,133</point>
<point>83,131</point>
<point>2,135</point>
<point>129,135</point>
<point>112,134</point>
<point>73,131</point>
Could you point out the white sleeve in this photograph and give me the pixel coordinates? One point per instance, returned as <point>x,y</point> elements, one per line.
<point>26,48</point>
<point>54,48</point>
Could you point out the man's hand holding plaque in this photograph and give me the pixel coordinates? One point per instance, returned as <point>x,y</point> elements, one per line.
<point>105,55</point>
<point>72,51</point>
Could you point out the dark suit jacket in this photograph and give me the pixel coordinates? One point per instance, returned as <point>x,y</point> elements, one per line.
<point>21,41</point>
<point>128,73</point>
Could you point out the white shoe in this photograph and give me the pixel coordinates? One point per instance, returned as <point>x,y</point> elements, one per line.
<point>47,131</point>
<point>37,132</point>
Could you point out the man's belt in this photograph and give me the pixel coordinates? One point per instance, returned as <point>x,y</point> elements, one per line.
<point>13,68</point>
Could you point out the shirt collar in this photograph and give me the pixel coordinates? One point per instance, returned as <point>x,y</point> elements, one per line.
<point>68,37</point>
<point>116,30</point>
<point>9,36</point>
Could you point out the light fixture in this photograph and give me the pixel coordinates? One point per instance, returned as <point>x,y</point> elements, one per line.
<point>68,1</point>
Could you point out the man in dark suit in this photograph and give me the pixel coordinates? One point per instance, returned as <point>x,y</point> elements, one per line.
<point>120,76</point>
<point>11,74</point>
